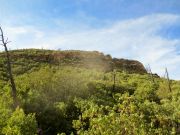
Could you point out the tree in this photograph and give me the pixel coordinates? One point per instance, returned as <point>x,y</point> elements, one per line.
<point>150,72</point>
<point>169,81</point>
<point>9,68</point>
<point>114,80</point>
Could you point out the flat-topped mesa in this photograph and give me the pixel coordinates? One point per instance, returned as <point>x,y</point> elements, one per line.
<point>75,58</point>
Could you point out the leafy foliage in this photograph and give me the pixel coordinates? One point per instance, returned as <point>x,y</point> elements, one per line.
<point>66,99</point>
<point>20,124</point>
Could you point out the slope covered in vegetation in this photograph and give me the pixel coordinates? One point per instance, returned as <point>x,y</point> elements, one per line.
<point>30,59</point>
<point>73,92</point>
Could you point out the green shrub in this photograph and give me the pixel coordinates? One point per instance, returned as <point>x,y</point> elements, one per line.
<point>20,124</point>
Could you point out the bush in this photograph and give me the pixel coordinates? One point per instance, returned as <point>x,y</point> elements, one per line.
<point>20,124</point>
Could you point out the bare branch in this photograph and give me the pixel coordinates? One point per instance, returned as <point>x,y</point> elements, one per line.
<point>6,40</point>
<point>169,81</point>
<point>2,36</point>
<point>9,68</point>
<point>151,74</point>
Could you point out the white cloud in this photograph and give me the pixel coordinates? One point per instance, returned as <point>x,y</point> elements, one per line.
<point>134,39</point>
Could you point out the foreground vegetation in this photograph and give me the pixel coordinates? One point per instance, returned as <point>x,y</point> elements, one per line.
<point>65,99</point>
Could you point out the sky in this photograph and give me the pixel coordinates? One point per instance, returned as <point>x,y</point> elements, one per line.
<point>144,30</point>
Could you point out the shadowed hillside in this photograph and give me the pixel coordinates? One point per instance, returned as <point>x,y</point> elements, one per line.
<point>30,59</point>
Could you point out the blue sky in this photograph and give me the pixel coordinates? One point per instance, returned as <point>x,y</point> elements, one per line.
<point>146,30</point>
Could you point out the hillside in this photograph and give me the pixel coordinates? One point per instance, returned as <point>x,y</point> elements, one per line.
<point>29,59</point>
<point>79,93</point>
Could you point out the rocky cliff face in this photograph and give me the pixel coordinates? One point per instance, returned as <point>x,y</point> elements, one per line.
<point>85,59</point>
<point>130,66</point>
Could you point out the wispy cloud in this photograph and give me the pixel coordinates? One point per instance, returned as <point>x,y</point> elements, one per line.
<point>138,38</point>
